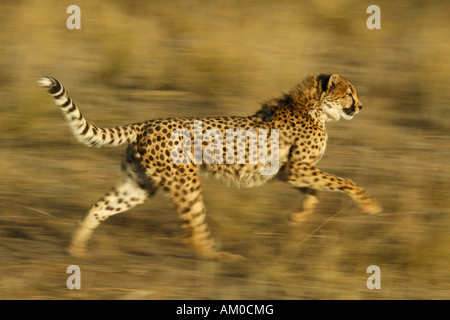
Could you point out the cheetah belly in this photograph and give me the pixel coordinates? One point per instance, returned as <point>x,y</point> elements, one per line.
<point>243,175</point>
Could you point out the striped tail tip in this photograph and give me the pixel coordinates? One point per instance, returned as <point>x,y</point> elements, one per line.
<point>46,82</point>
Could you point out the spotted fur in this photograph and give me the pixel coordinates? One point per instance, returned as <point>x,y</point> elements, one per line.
<point>298,118</point>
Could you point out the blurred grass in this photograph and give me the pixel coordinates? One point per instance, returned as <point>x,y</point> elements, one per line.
<point>138,60</point>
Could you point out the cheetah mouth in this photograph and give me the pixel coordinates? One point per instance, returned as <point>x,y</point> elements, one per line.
<point>349,111</point>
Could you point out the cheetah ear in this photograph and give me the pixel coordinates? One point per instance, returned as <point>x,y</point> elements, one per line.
<point>334,79</point>
<point>328,81</point>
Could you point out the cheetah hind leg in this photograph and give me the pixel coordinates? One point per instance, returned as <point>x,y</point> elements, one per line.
<point>121,198</point>
<point>308,206</point>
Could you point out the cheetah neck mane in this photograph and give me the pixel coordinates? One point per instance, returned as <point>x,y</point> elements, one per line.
<point>303,98</point>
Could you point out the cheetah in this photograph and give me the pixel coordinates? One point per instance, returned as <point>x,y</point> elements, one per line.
<point>162,155</point>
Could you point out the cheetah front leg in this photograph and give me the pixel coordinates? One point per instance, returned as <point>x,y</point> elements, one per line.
<point>309,177</point>
<point>185,191</point>
<point>308,206</point>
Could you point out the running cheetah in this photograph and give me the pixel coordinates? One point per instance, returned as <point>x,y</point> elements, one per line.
<point>170,153</point>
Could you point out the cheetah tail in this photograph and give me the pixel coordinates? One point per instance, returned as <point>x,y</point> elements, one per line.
<point>85,132</point>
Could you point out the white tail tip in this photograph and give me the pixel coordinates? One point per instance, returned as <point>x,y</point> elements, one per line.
<point>45,82</point>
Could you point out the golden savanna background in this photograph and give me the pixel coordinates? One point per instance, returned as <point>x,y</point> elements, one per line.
<point>137,60</point>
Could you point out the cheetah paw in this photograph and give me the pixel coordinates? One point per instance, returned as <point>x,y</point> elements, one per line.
<point>76,251</point>
<point>229,257</point>
<point>298,218</point>
<point>222,256</point>
<point>371,207</point>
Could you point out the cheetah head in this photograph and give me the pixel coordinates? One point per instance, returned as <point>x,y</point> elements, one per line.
<point>338,98</point>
